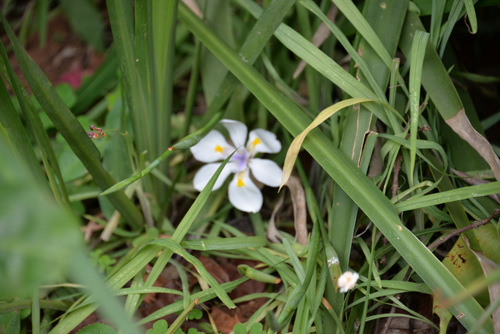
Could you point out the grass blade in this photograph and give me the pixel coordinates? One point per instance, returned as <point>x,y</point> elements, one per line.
<point>417,60</point>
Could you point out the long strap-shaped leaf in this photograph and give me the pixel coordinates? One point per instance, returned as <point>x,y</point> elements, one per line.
<point>18,137</point>
<point>67,124</point>
<point>368,197</point>
<point>420,41</point>
<point>34,125</point>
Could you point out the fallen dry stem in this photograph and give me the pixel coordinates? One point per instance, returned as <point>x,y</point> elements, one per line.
<point>476,224</point>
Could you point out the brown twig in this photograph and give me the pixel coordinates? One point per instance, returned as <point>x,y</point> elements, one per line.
<point>476,224</point>
<point>395,176</point>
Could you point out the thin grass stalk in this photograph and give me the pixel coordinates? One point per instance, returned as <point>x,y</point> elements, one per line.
<point>370,261</point>
<point>419,45</point>
<point>362,190</point>
<point>436,19</point>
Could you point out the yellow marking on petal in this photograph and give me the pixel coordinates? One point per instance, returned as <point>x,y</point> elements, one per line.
<point>256,142</point>
<point>240,182</point>
<point>219,149</point>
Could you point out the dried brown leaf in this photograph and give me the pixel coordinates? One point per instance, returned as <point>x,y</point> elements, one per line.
<point>461,125</point>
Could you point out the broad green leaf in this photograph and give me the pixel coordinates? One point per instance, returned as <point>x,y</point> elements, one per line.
<point>462,263</point>
<point>16,135</point>
<point>85,19</point>
<point>10,322</point>
<point>35,233</point>
<point>159,327</point>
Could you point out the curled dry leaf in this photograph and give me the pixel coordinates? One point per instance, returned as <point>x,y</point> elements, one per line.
<point>494,289</point>
<point>272,232</point>
<point>193,5</point>
<point>293,150</point>
<point>461,125</point>
<point>299,209</point>
<point>299,213</point>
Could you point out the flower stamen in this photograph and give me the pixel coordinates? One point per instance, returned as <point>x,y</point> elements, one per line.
<point>256,142</point>
<point>240,182</point>
<point>219,149</point>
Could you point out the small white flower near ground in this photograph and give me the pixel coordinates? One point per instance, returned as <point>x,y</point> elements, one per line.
<point>347,281</point>
<point>213,148</point>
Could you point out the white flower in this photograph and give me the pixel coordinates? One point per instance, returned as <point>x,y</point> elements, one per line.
<point>213,148</point>
<point>347,281</point>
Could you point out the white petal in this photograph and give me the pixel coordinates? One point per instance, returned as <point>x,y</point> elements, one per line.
<point>266,171</point>
<point>244,194</point>
<point>206,172</point>
<point>347,281</point>
<point>260,140</point>
<point>237,131</point>
<point>212,147</point>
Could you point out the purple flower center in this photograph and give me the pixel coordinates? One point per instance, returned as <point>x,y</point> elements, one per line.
<point>240,157</point>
